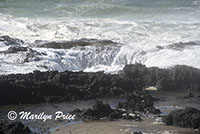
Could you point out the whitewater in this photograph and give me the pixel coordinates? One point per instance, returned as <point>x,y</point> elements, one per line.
<point>160,33</point>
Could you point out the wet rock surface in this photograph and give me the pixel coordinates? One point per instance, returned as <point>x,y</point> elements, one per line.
<point>9,41</point>
<point>76,43</point>
<point>22,54</point>
<point>101,111</point>
<point>188,118</point>
<point>15,49</point>
<point>139,101</point>
<point>75,55</point>
<point>7,127</point>
<point>53,86</point>
<point>179,46</point>
<point>179,77</point>
<point>136,103</point>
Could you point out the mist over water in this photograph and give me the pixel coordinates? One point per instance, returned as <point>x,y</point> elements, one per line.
<point>140,25</point>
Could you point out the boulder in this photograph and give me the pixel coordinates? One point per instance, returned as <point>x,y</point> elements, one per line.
<point>139,101</point>
<point>188,118</point>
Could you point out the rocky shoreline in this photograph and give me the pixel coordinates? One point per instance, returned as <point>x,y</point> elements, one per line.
<point>54,86</point>
<point>130,83</point>
<point>129,110</point>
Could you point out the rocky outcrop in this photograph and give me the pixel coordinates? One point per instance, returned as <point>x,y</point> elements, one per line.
<point>13,128</point>
<point>11,41</point>
<point>15,49</point>
<point>53,86</point>
<point>82,54</point>
<point>188,118</point>
<point>139,101</point>
<point>179,46</point>
<point>97,112</point>
<point>179,77</point>
<point>75,43</point>
<point>25,54</point>
<point>100,111</point>
<point>136,103</point>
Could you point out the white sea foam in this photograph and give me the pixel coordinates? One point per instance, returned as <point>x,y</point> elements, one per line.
<point>139,41</point>
<point>140,30</point>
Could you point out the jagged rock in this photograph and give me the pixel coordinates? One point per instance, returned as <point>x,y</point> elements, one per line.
<point>188,118</point>
<point>13,128</point>
<point>27,54</point>
<point>40,87</point>
<point>177,78</point>
<point>15,49</point>
<point>11,41</point>
<point>116,114</point>
<point>69,44</point>
<point>101,111</point>
<point>139,101</point>
<point>178,46</point>
<point>98,111</point>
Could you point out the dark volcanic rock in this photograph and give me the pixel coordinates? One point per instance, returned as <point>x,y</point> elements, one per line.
<point>179,46</point>
<point>13,128</point>
<point>188,118</point>
<point>102,111</point>
<point>69,44</point>
<point>15,49</point>
<point>179,77</point>
<point>11,41</point>
<point>27,53</point>
<point>53,86</point>
<point>57,86</point>
<point>139,101</point>
<point>98,111</point>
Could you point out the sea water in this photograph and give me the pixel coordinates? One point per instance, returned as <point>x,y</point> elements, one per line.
<point>141,26</point>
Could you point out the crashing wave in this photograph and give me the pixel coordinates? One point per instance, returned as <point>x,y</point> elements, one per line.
<point>64,55</point>
<point>90,55</point>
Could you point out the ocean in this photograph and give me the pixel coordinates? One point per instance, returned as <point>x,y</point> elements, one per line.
<point>151,32</point>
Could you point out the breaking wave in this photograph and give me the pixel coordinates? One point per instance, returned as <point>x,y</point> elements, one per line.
<point>159,33</point>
